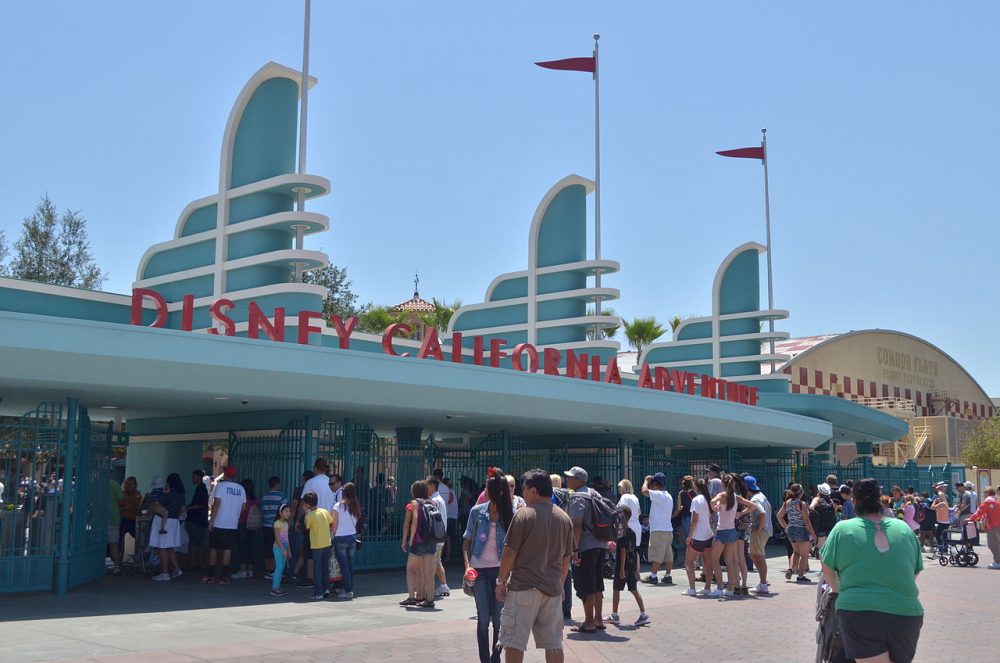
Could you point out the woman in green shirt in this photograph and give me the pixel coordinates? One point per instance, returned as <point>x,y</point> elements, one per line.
<point>871,564</point>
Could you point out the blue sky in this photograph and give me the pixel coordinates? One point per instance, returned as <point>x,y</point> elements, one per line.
<point>439,137</point>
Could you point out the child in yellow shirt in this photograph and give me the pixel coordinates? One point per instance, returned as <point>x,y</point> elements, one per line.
<point>318,522</point>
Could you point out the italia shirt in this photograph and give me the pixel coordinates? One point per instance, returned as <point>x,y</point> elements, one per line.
<point>231,498</point>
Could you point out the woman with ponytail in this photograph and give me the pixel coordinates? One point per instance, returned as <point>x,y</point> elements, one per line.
<point>726,535</point>
<point>871,563</point>
<point>482,548</point>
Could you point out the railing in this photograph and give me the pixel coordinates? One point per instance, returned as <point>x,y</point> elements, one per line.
<point>898,407</point>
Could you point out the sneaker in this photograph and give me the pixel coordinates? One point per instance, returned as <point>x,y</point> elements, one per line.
<point>761,589</point>
<point>305,583</point>
<point>613,618</point>
<point>317,597</point>
<point>804,580</point>
<point>239,575</point>
<point>346,596</point>
<point>689,592</point>
<point>788,574</point>
<point>442,591</point>
<point>223,580</point>
<point>268,576</point>
<point>668,581</point>
<point>643,619</point>
<point>727,594</point>
<point>207,580</point>
<point>993,566</point>
<point>162,576</point>
<point>177,573</point>
<point>326,593</point>
<point>651,580</point>
<point>248,574</point>
<point>277,592</point>
<point>714,594</point>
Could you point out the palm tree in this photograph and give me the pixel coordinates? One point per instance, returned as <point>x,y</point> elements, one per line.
<point>443,312</point>
<point>604,332</point>
<point>675,322</point>
<point>643,331</point>
<point>377,318</point>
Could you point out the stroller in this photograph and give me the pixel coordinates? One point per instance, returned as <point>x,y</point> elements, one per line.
<point>956,546</point>
<point>829,645</point>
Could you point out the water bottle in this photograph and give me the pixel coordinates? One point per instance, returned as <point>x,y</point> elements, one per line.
<point>471,575</point>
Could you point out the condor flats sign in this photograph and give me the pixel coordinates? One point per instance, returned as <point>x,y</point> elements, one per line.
<point>524,357</point>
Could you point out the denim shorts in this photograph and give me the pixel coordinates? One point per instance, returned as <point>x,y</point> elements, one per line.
<point>728,535</point>
<point>797,534</point>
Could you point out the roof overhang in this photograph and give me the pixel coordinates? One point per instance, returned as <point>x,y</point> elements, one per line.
<point>168,374</point>
<point>851,422</point>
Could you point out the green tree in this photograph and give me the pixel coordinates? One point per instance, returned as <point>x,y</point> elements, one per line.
<point>340,298</point>
<point>601,332</point>
<point>675,322</point>
<point>3,253</point>
<point>377,318</point>
<point>443,313</point>
<point>983,446</point>
<point>54,248</point>
<point>643,331</point>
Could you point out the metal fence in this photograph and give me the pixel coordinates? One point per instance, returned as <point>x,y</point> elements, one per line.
<point>39,469</point>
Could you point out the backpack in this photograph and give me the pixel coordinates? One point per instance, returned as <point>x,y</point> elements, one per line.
<point>431,525</point>
<point>254,518</point>
<point>919,512</point>
<point>608,522</point>
<point>560,497</point>
<point>826,516</point>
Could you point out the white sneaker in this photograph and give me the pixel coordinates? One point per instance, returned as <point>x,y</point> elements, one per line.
<point>689,592</point>
<point>177,573</point>
<point>994,565</point>
<point>761,589</point>
<point>162,576</point>
<point>441,591</point>
<point>726,593</point>
<point>643,619</point>
<point>239,575</point>
<point>714,594</point>
<point>613,618</point>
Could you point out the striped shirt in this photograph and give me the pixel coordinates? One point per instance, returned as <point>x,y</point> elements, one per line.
<point>269,503</point>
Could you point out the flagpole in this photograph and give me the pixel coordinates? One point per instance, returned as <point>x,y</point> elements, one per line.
<point>303,116</point>
<point>597,180</point>
<point>767,223</point>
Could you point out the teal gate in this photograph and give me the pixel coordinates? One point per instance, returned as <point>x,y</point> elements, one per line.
<point>38,469</point>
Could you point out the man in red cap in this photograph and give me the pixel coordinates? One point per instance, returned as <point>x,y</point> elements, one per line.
<point>228,503</point>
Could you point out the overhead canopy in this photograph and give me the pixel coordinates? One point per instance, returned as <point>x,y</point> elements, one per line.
<point>166,374</point>
<point>851,422</point>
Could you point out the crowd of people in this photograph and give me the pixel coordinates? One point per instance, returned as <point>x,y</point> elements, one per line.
<point>530,545</point>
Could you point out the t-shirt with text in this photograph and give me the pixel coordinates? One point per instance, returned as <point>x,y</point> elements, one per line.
<point>231,498</point>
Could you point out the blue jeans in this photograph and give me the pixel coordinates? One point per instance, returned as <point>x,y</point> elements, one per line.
<point>343,547</point>
<point>487,611</point>
<point>295,542</point>
<point>279,566</point>
<point>321,570</point>
<point>567,602</point>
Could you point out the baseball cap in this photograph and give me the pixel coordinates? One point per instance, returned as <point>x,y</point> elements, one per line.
<point>714,468</point>
<point>824,488</point>
<point>229,472</point>
<point>751,483</point>
<point>660,478</point>
<point>845,488</point>
<point>577,472</point>
<point>970,486</point>
<point>157,483</point>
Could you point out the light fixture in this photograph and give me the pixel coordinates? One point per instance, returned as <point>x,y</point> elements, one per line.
<point>109,407</point>
<point>220,398</point>
<point>301,189</point>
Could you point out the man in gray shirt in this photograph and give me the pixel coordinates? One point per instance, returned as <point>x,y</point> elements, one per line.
<point>590,552</point>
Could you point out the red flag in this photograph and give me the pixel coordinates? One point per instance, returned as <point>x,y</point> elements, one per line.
<point>570,64</point>
<point>745,153</point>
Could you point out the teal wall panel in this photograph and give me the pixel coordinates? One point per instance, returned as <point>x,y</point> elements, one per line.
<point>256,277</point>
<point>200,220</point>
<point>561,308</point>
<point>22,301</point>
<point>740,290</point>
<point>256,242</point>
<point>200,286</point>
<point>255,205</point>
<point>179,259</point>
<point>510,288</point>
<point>695,330</point>
<point>562,237</point>
<point>266,140</point>
<point>548,283</point>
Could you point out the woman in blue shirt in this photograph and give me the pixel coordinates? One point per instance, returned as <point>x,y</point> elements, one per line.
<point>483,546</point>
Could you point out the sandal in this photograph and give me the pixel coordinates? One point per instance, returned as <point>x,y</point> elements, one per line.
<point>581,629</point>
<point>425,604</point>
<point>409,601</point>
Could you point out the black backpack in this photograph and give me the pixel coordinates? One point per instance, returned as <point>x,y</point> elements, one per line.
<point>608,522</point>
<point>826,516</point>
<point>432,527</point>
